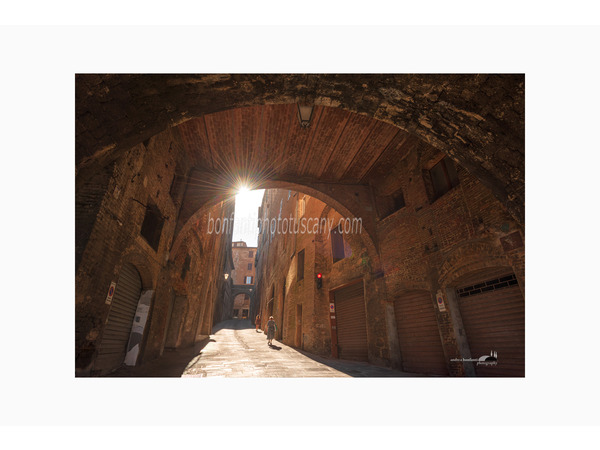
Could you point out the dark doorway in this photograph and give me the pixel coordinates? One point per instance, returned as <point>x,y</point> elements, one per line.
<point>298,340</point>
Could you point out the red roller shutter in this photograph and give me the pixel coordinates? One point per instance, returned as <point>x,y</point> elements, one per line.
<point>418,334</point>
<point>351,323</point>
<point>493,314</point>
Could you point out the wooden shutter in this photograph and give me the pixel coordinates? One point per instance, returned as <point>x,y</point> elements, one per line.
<point>351,323</point>
<point>493,314</point>
<point>418,334</point>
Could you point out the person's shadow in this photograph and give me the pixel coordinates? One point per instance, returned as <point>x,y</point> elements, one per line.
<point>274,347</point>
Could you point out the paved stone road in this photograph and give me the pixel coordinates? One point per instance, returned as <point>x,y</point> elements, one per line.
<point>235,349</point>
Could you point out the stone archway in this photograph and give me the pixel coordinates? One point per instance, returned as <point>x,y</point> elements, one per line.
<point>247,291</point>
<point>333,196</point>
<point>478,120</point>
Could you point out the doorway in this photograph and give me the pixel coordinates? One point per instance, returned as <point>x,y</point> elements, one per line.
<point>298,341</point>
<point>113,347</point>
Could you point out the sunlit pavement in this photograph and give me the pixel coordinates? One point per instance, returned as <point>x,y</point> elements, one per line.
<point>236,349</point>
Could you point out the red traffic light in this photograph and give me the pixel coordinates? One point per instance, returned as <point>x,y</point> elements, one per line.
<point>319,275</point>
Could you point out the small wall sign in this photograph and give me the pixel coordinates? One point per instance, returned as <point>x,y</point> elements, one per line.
<point>111,292</point>
<point>439,297</point>
<point>332,307</point>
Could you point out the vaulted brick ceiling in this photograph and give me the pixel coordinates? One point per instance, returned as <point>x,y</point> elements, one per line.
<point>339,146</point>
<point>248,121</point>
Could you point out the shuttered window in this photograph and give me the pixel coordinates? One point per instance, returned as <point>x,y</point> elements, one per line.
<point>300,268</point>
<point>152,226</point>
<point>443,177</point>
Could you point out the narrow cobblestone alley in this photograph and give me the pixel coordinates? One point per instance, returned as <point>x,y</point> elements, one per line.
<point>237,350</point>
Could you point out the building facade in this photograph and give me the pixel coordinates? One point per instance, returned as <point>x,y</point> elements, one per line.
<point>431,165</point>
<point>136,268</point>
<point>442,287</point>
<point>243,275</point>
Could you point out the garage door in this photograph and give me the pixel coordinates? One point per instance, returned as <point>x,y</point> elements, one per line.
<point>120,319</point>
<point>418,334</point>
<point>351,323</point>
<point>493,315</point>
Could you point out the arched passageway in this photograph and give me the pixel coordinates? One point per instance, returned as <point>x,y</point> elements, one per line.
<point>478,120</point>
<point>428,163</point>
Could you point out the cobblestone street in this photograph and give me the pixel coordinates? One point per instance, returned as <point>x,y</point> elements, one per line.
<point>236,349</point>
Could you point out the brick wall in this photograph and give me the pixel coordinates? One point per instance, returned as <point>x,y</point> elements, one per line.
<point>426,245</point>
<point>110,209</point>
<point>241,261</point>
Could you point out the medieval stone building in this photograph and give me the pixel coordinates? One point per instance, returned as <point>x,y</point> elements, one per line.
<point>243,276</point>
<point>128,247</point>
<point>444,287</point>
<point>431,165</point>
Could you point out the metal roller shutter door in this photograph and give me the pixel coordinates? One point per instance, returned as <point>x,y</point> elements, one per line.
<point>418,334</point>
<point>120,319</point>
<point>493,314</point>
<point>351,323</point>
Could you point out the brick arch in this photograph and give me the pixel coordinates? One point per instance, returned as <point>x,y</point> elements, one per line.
<point>179,251</point>
<point>183,242</point>
<point>142,264</point>
<point>239,289</point>
<point>478,120</point>
<point>338,200</point>
<point>238,294</point>
<point>409,286</point>
<point>469,259</point>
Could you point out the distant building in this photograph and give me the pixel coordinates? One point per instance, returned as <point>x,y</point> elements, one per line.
<point>243,276</point>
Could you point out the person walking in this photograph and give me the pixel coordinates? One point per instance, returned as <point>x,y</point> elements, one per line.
<point>257,320</point>
<point>271,327</point>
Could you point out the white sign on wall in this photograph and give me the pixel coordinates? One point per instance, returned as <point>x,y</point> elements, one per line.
<point>440,301</point>
<point>111,293</point>
<point>137,329</point>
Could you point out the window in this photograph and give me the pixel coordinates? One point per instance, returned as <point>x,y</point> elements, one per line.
<point>249,266</point>
<point>301,206</point>
<point>248,280</point>
<point>186,267</point>
<point>177,186</point>
<point>443,177</point>
<point>300,268</point>
<point>340,249</point>
<point>152,226</point>
<point>387,205</point>
<point>398,199</point>
<point>250,254</point>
